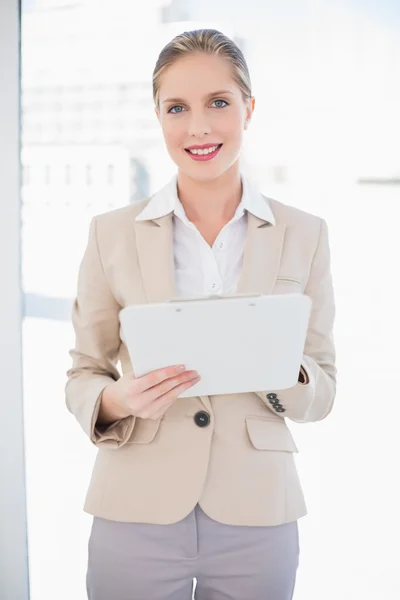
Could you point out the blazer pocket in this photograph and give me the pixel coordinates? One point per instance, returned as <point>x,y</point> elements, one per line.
<point>289,279</point>
<point>287,285</point>
<point>144,431</point>
<point>265,434</point>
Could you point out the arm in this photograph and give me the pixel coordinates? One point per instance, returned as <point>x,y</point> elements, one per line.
<point>95,317</point>
<point>313,400</point>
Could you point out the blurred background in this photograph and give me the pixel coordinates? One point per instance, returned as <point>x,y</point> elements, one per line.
<point>325,137</point>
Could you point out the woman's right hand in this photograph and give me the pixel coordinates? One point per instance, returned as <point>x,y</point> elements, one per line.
<point>147,397</point>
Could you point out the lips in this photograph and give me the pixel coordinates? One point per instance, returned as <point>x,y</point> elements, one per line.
<point>202,146</point>
<point>202,152</point>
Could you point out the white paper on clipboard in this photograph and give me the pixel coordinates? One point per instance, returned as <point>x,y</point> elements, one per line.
<point>237,343</point>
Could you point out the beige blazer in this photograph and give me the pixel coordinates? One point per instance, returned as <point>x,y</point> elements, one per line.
<point>240,468</point>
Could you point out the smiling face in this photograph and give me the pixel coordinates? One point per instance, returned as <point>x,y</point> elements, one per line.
<point>203,115</point>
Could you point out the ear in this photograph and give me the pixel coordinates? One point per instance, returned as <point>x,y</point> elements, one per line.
<point>249,111</point>
<point>157,113</point>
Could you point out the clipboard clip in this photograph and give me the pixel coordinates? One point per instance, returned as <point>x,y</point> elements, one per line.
<point>213,297</point>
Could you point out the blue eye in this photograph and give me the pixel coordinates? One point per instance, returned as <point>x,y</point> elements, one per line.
<point>222,103</point>
<point>175,112</point>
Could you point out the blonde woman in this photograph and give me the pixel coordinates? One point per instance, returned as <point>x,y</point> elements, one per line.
<point>201,488</point>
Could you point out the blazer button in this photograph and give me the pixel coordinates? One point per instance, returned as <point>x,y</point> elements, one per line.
<point>279,408</point>
<point>272,396</point>
<point>202,418</point>
<point>274,402</point>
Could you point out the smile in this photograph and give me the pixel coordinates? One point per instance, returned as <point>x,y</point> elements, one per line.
<point>203,153</point>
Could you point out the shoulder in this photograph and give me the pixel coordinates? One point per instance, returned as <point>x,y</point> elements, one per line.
<point>114,227</point>
<point>120,216</point>
<point>306,233</point>
<point>295,218</point>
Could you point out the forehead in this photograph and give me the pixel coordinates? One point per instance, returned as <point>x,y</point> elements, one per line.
<point>196,76</point>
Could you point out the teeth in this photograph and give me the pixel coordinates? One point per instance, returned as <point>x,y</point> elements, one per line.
<point>204,150</point>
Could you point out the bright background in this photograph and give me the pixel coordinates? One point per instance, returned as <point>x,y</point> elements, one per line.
<point>325,138</point>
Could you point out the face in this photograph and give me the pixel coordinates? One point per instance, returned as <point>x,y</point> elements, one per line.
<point>203,115</point>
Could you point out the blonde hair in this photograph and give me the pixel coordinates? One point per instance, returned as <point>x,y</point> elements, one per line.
<point>207,41</point>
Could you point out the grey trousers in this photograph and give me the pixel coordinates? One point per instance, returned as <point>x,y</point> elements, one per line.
<point>138,561</point>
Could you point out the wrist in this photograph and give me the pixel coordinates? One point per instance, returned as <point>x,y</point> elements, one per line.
<point>109,410</point>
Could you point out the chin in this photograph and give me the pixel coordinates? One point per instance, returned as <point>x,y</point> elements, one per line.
<point>202,172</point>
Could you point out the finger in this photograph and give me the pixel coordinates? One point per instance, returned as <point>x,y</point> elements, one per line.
<point>152,393</point>
<point>162,403</point>
<point>155,377</point>
<point>168,385</point>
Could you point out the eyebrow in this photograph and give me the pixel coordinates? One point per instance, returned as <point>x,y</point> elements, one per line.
<point>218,93</point>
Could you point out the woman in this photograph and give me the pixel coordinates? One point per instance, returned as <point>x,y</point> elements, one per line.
<point>199,487</point>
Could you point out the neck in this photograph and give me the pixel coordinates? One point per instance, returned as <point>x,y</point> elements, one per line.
<point>212,201</point>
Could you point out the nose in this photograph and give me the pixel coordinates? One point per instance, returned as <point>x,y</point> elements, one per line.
<point>198,125</point>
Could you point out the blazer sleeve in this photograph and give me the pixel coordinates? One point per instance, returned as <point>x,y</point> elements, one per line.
<point>313,401</point>
<point>95,318</point>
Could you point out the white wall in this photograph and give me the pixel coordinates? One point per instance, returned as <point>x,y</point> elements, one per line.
<point>13,543</point>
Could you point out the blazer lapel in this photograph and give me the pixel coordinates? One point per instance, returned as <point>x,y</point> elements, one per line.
<point>262,256</point>
<point>155,250</point>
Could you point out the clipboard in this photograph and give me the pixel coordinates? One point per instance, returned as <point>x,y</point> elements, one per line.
<point>237,343</point>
